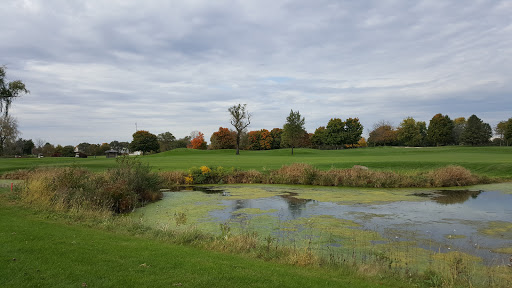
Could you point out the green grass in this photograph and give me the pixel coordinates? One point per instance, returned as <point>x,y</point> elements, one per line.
<point>488,161</point>
<point>39,252</point>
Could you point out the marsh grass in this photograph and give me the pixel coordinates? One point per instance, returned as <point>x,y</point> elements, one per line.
<point>306,174</point>
<point>118,190</point>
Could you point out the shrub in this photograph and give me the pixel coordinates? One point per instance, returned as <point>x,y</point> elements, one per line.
<point>119,189</point>
<point>205,175</point>
<point>245,177</point>
<point>172,178</point>
<point>452,176</point>
<point>296,173</point>
<point>131,182</point>
<point>67,188</point>
<point>20,174</point>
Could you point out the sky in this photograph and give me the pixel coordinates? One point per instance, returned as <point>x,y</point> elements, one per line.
<point>99,70</point>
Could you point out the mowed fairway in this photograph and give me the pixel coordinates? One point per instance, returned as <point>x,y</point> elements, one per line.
<point>489,161</point>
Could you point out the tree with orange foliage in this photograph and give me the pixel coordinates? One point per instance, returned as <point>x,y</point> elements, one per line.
<point>198,142</point>
<point>260,140</point>
<point>254,140</point>
<point>223,139</point>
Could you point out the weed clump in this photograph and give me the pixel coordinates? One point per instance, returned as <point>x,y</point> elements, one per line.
<point>117,190</point>
<point>245,177</point>
<point>296,173</point>
<point>173,178</point>
<point>452,176</point>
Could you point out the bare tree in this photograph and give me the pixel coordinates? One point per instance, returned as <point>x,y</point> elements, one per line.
<point>240,119</point>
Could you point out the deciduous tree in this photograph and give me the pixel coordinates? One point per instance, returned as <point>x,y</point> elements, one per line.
<point>8,132</point>
<point>9,91</point>
<point>293,129</point>
<point>223,139</point>
<point>165,140</point>
<point>67,151</point>
<point>318,138</point>
<point>104,147</point>
<point>198,142</point>
<point>440,130</point>
<point>48,150</point>
<point>382,134</point>
<point>476,132</point>
<point>459,124</point>
<point>508,131</point>
<point>260,140</point>
<point>144,141</point>
<point>240,119</point>
<point>499,130</point>
<point>335,133</point>
<point>411,133</point>
<point>353,131</point>
<point>276,134</point>
<point>84,148</point>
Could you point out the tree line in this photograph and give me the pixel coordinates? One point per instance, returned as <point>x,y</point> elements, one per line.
<point>336,134</point>
<point>440,131</point>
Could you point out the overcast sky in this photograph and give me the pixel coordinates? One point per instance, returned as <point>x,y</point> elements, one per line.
<point>95,68</point>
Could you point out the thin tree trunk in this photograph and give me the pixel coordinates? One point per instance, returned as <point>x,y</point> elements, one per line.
<point>238,144</point>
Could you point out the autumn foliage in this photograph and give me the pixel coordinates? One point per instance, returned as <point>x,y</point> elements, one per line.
<point>260,140</point>
<point>198,142</point>
<point>223,139</point>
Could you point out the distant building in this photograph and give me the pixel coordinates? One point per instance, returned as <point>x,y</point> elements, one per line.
<point>111,153</point>
<point>79,154</point>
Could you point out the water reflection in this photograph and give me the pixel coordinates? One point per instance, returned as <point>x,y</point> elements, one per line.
<point>450,196</point>
<point>454,212</point>
<point>455,196</point>
<point>295,205</point>
<point>450,218</point>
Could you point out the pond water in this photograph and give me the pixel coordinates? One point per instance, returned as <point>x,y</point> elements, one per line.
<point>475,220</point>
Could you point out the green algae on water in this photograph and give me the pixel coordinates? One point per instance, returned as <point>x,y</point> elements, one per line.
<point>498,229</point>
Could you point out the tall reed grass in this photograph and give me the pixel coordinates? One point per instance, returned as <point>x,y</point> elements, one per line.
<point>305,174</point>
<point>118,190</point>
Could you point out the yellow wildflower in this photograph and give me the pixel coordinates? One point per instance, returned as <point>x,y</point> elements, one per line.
<point>205,169</point>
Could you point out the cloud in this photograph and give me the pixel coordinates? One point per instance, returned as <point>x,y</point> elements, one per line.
<point>96,68</point>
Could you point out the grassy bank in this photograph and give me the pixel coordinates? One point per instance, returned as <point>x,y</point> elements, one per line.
<point>485,161</point>
<point>40,249</point>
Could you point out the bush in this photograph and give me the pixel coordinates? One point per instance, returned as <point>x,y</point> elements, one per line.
<point>245,177</point>
<point>205,175</point>
<point>296,173</point>
<point>130,183</point>
<point>172,178</point>
<point>64,189</point>
<point>119,189</point>
<point>452,176</point>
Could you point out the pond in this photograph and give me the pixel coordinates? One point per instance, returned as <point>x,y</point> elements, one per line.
<point>474,220</point>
